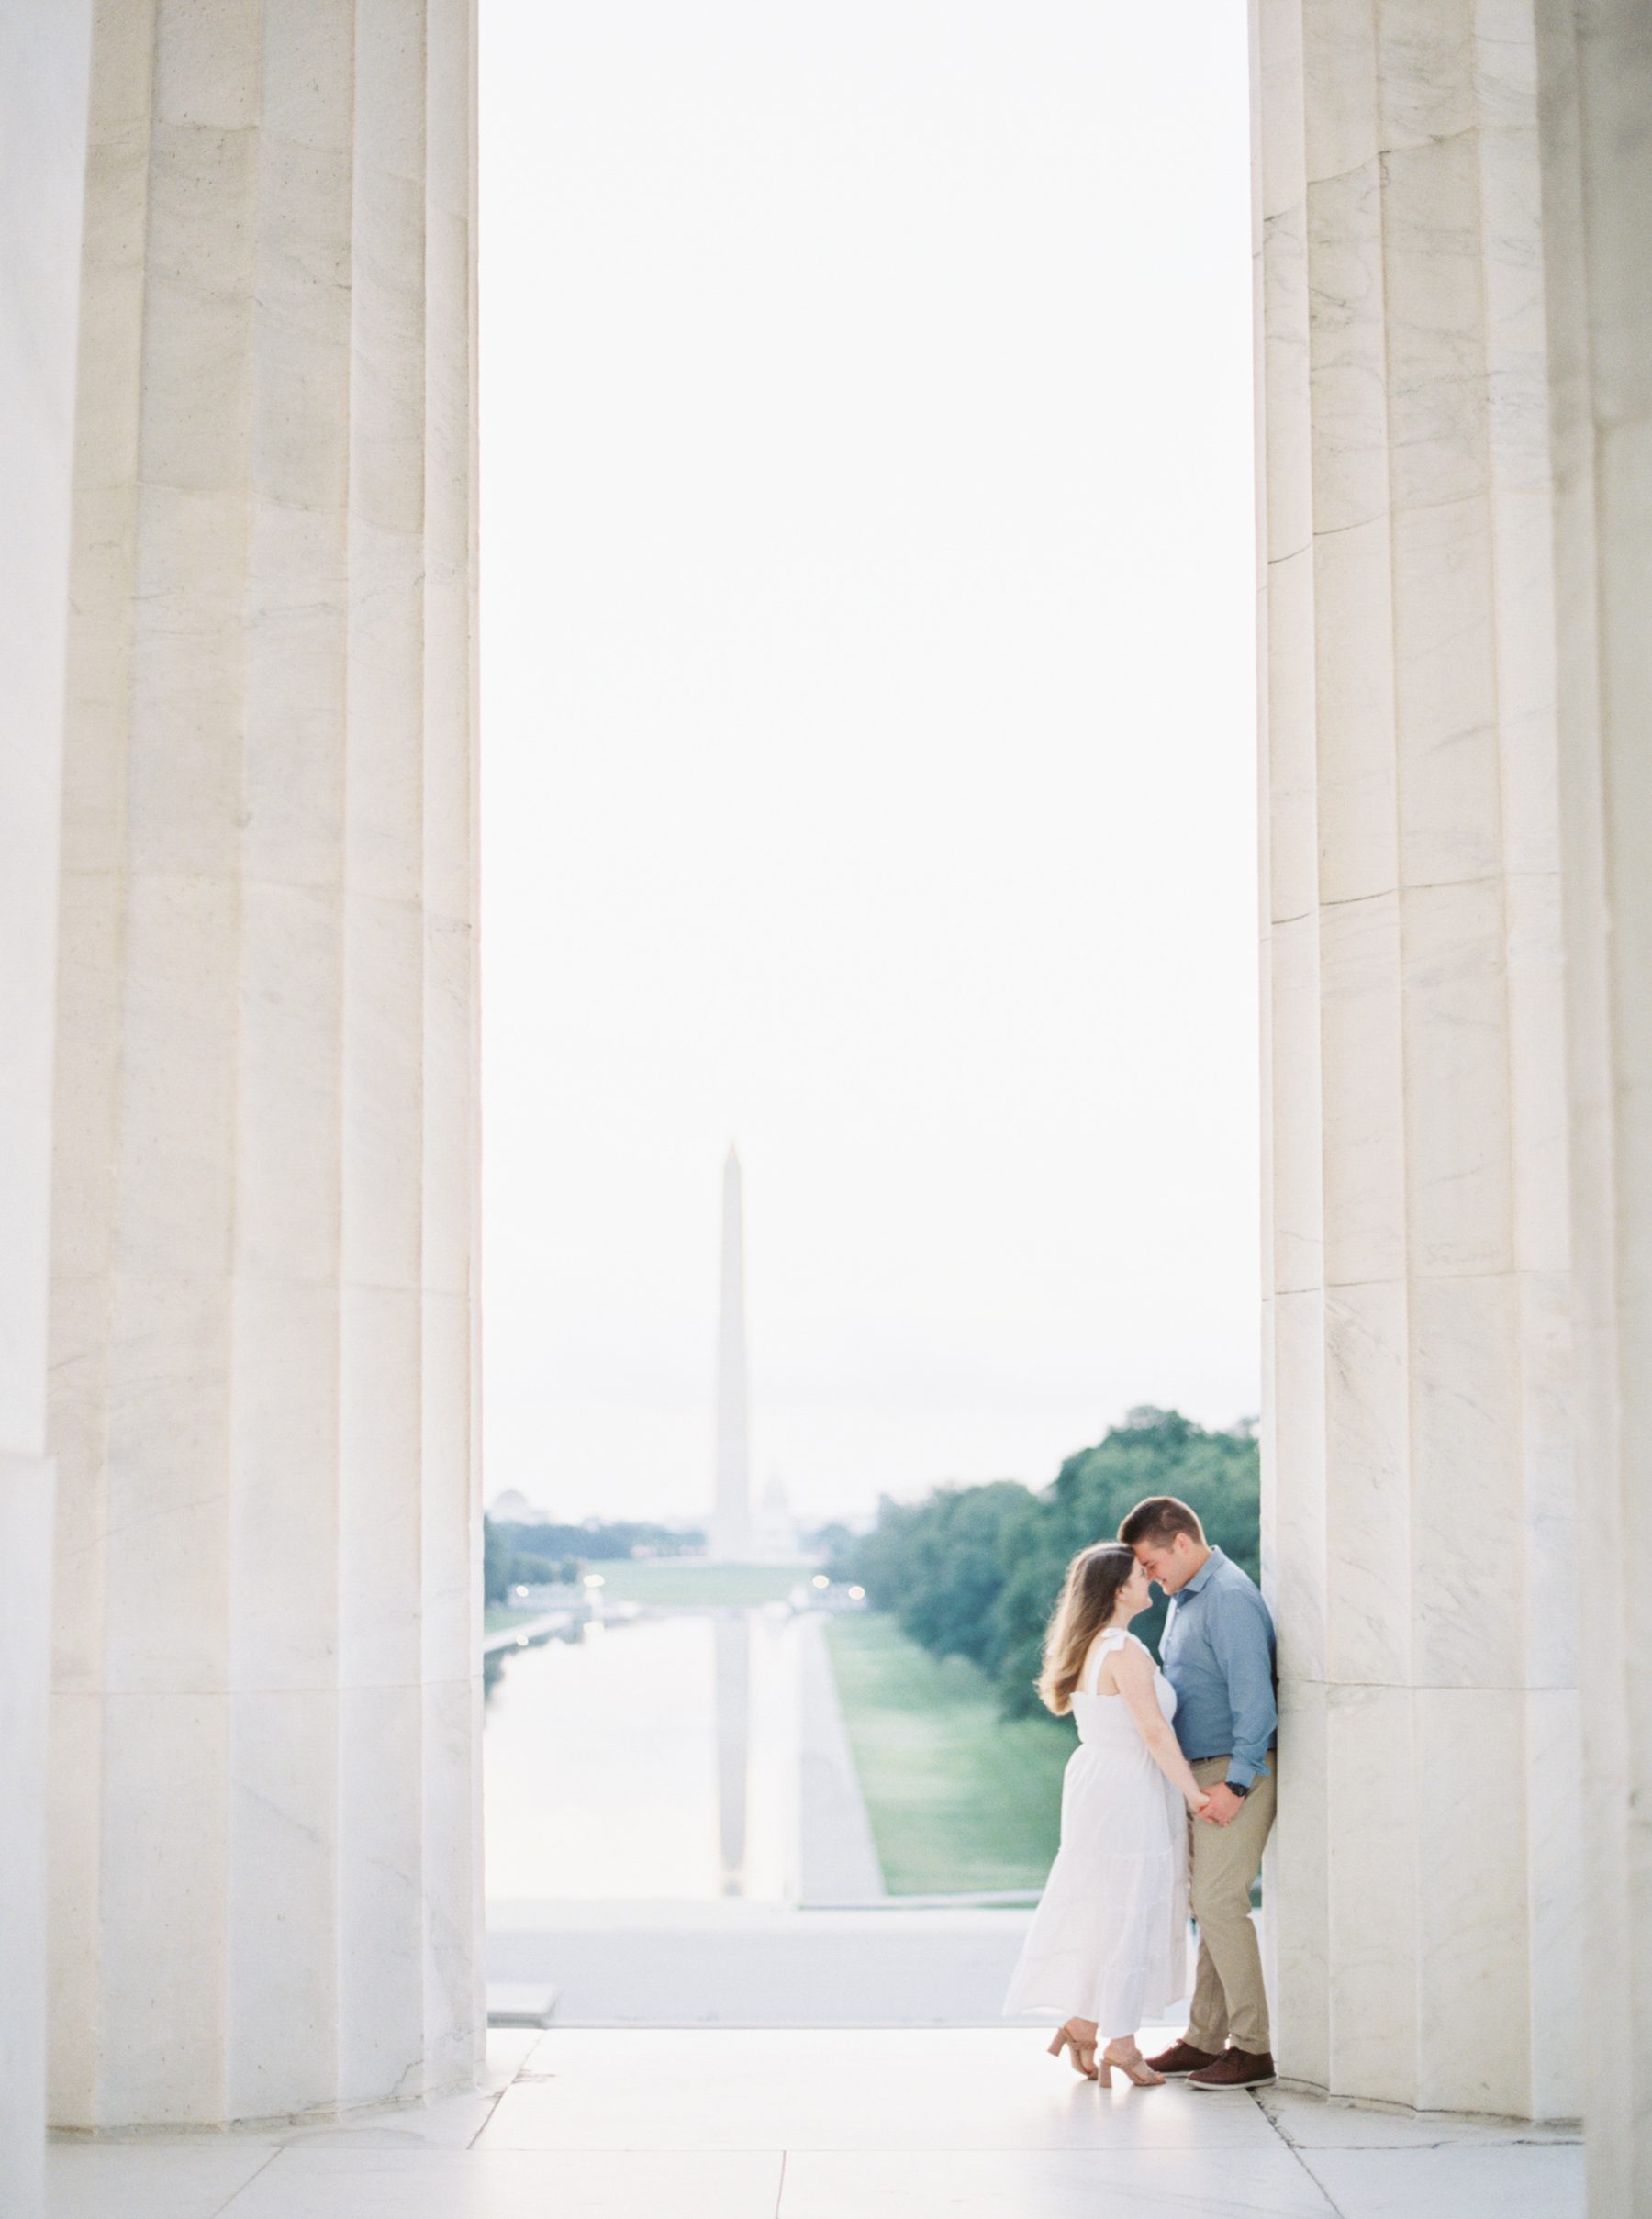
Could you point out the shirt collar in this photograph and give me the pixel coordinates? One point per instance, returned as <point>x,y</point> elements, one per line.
<point>1204,1572</point>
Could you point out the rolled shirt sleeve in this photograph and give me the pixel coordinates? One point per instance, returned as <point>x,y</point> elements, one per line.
<point>1237,1628</point>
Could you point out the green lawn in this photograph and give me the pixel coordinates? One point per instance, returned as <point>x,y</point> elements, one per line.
<point>961,1801</point>
<point>684,1583</point>
<point>498,1615</point>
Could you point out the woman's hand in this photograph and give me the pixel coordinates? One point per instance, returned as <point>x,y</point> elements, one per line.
<point>1197,1803</point>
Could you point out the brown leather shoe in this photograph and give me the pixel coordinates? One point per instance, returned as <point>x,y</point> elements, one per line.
<point>1181,2057</point>
<point>1236,2069</point>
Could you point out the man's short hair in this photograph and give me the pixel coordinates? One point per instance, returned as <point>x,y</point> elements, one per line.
<point>1158,1519</point>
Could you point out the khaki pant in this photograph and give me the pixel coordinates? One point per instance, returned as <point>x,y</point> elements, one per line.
<point>1229,1999</point>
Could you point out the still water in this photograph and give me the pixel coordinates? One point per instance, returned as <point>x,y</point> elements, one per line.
<point>653,1759</point>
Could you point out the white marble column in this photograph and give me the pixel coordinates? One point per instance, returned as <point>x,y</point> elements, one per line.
<point>266,1720</point>
<point>43,60</point>
<point>1426,1886</point>
<point>1596,79</point>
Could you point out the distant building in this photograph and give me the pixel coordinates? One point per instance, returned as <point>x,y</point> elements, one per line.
<point>774,1536</point>
<point>510,1507</point>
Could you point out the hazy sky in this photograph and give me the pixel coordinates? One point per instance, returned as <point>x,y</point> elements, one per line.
<point>868,733</point>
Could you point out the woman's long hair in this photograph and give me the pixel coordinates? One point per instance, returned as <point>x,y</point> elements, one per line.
<point>1089,1595</point>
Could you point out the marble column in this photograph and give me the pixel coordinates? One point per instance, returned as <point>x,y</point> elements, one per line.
<point>266,1718</point>
<point>1596,84</point>
<point>44,46</point>
<point>1425,1887</point>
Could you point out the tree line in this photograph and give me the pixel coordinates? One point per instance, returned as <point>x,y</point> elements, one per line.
<point>975,1571</point>
<point>549,1555</point>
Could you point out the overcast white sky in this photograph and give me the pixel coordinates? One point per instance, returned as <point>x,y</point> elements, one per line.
<point>868,715</point>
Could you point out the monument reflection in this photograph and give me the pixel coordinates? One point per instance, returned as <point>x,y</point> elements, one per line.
<point>653,1759</point>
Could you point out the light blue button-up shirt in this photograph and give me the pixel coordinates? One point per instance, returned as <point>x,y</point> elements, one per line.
<point>1218,1654</point>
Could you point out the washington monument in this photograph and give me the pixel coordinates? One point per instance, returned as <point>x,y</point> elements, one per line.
<point>731,1517</point>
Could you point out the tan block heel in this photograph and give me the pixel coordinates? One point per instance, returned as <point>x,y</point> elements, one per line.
<point>1136,2069</point>
<point>1084,2052</point>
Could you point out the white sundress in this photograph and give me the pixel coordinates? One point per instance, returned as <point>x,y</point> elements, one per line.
<point>1109,1940</point>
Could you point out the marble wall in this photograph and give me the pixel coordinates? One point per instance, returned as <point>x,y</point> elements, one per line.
<point>1454,246</point>
<point>1595,62</point>
<point>266,1717</point>
<point>1420,1463</point>
<point>44,46</point>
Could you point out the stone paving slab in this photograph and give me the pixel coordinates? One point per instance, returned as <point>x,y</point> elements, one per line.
<point>792,2124</point>
<point>1312,2122</point>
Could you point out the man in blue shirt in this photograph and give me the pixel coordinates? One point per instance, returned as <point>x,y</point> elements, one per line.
<point>1219,1656</point>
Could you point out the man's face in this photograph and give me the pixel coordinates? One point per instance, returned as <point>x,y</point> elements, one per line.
<point>1172,1563</point>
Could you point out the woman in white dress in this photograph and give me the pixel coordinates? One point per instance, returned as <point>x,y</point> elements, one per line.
<point>1108,1946</point>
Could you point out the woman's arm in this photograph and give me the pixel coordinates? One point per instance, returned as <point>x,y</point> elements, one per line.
<point>1133,1669</point>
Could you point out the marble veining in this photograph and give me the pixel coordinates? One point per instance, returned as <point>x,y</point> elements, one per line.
<point>1419,1474</point>
<point>266,1838</point>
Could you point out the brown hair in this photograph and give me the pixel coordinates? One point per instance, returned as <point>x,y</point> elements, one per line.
<point>1159,1518</point>
<point>1089,1595</point>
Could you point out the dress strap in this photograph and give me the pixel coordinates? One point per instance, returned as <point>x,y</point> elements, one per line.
<point>1109,1639</point>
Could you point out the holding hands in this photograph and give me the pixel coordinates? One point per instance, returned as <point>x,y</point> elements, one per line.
<point>1222,1806</point>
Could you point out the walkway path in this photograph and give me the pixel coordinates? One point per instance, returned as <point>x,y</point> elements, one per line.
<point>979,2124</point>
<point>526,1630</point>
<point>754,1965</point>
<point>837,1857</point>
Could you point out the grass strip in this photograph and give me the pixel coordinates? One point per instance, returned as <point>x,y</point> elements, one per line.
<point>961,1801</point>
<point>673,1583</point>
<point>499,1616</point>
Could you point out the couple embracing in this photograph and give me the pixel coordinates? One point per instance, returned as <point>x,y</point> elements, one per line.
<point>1167,1798</point>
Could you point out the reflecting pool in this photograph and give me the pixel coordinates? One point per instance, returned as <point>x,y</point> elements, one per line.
<point>653,1759</point>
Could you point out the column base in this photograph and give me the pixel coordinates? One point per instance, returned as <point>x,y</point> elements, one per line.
<point>27,1493</point>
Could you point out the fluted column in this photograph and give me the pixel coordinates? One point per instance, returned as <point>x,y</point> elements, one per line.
<point>266,1721</point>
<point>1596,81</point>
<point>1420,1538</point>
<point>43,60</point>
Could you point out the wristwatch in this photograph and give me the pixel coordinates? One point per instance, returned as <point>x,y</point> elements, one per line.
<point>1233,1788</point>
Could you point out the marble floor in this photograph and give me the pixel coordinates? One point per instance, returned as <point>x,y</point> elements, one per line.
<point>835,2125</point>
